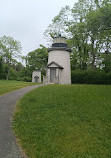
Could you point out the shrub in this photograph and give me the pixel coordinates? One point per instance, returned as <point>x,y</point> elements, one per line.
<point>13,74</point>
<point>27,79</point>
<point>90,77</point>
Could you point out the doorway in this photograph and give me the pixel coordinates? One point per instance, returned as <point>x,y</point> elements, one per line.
<point>52,74</point>
<point>36,78</point>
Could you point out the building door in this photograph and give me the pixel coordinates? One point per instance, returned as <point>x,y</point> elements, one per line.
<point>36,79</point>
<point>52,74</point>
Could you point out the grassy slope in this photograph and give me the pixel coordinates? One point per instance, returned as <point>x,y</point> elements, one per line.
<point>8,86</point>
<point>65,122</point>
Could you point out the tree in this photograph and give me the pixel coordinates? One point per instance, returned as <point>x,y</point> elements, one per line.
<point>79,32</point>
<point>1,67</point>
<point>10,50</point>
<point>79,43</point>
<point>92,23</point>
<point>38,58</point>
<point>99,28</point>
<point>17,65</point>
<point>59,24</point>
<point>106,61</point>
<point>105,25</point>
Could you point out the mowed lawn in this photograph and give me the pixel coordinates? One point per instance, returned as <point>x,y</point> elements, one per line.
<point>65,121</point>
<point>8,86</point>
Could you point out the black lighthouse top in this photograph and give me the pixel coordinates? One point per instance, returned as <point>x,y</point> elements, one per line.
<point>59,43</point>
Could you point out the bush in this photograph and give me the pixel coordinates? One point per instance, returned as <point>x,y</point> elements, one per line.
<point>91,77</point>
<point>13,74</point>
<point>27,79</point>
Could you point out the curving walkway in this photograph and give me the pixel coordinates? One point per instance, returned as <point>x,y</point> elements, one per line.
<point>8,145</point>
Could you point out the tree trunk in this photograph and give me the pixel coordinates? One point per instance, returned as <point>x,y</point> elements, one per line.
<point>93,55</point>
<point>8,74</point>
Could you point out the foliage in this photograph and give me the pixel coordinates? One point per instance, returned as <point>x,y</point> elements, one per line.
<point>9,51</point>
<point>59,24</point>
<point>38,58</point>
<point>107,61</point>
<point>1,67</point>
<point>11,69</point>
<point>90,77</point>
<point>66,121</point>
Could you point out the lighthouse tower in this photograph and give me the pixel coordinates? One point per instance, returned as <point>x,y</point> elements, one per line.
<point>58,68</point>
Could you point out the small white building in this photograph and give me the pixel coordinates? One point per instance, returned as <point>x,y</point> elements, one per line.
<point>36,76</point>
<point>58,68</point>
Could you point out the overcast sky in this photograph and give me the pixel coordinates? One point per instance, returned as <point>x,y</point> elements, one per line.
<point>26,20</point>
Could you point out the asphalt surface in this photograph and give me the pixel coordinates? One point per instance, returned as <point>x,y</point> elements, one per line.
<point>8,145</point>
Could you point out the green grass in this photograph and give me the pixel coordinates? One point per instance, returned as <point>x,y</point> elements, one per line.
<point>65,121</point>
<point>8,86</point>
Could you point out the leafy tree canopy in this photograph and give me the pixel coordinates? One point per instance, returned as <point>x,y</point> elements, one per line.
<point>38,58</point>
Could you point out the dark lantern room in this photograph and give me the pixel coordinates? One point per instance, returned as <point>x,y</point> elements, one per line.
<point>59,43</point>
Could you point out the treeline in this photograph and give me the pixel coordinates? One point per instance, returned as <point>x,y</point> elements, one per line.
<point>87,27</point>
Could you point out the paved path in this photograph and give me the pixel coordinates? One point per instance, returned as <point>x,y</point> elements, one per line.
<point>8,146</point>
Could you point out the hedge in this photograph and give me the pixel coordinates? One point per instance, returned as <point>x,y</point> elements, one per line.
<point>90,77</point>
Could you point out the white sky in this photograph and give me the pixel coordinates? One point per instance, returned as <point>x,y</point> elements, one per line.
<point>26,20</point>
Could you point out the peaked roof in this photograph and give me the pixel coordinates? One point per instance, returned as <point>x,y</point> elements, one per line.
<point>36,76</point>
<point>59,66</point>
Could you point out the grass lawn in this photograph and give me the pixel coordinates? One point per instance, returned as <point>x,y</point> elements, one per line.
<point>8,86</point>
<point>65,121</point>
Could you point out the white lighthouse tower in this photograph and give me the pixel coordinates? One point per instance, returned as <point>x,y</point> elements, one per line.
<point>58,68</point>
